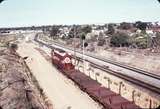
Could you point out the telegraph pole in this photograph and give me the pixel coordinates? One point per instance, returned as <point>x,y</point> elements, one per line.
<point>83,38</point>
<point>74,39</point>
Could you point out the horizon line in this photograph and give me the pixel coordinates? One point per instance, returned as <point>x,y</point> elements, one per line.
<point>39,25</point>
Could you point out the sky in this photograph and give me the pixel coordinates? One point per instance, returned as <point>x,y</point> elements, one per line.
<point>16,13</point>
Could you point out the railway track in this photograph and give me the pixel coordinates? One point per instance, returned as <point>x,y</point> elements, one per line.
<point>148,85</point>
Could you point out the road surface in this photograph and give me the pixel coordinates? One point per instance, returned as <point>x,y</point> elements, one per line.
<point>61,91</point>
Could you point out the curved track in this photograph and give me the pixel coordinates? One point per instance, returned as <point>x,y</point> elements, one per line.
<point>145,79</point>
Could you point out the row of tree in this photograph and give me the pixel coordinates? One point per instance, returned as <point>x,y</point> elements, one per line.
<point>117,39</point>
<point>75,31</point>
<point>126,26</point>
<point>139,40</point>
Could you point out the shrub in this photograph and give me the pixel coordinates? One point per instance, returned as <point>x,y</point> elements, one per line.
<point>141,41</point>
<point>119,39</point>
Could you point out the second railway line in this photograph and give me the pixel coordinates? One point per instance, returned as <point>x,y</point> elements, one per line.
<point>138,85</point>
<point>144,79</point>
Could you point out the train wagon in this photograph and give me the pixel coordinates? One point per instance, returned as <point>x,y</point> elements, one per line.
<point>106,97</point>
<point>62,59</point>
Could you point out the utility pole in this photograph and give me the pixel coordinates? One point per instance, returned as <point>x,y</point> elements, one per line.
<point>83,38</point>
<point>74,39</point>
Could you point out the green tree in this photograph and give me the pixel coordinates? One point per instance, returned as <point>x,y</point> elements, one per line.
<point>141,25</point>
<point>86,29</point>
<point>71,33</point>
<point>141,41</point>
<point>78,31</point>
<point>54,31</point>
<point>125,26</point>
<point>119,39</point>
<point>111,29</point>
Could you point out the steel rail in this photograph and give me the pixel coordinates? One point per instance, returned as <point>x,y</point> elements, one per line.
<point>116,63</point>
<point>120,75</point>
<point>125,77</point>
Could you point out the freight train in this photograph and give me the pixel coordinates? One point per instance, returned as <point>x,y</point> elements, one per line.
<point>109,99</point>
<point>62,59</point>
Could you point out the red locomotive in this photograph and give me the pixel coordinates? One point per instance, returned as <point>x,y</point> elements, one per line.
<point>108,98</point>
<point>62,59</point>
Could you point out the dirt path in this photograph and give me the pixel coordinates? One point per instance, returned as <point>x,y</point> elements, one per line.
<point>61,91</point>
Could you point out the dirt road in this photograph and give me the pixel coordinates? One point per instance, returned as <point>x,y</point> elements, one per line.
<point>61,91</point>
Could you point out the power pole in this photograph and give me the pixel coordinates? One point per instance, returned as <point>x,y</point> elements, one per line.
<point>74,39</point>
<point>83,39</point>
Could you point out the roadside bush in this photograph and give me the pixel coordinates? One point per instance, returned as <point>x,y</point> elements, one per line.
<point>119,39</point>
<point>142,41</point>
